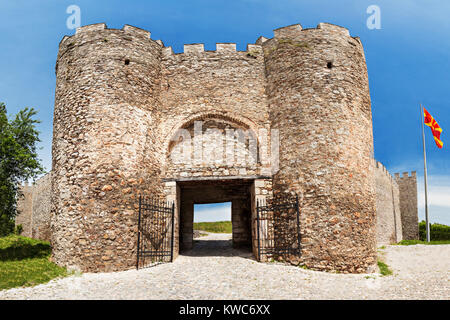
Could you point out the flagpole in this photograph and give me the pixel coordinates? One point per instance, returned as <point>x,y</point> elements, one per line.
<point>425,174</point>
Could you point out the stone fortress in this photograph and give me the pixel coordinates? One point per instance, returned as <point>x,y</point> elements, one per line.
<point>302,97</point>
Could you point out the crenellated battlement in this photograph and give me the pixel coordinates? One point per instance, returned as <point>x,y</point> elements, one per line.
<point>226,47</point>
<point>261,40</point>
<point>198,49</point>
<point>195,48</point>
<point>382,169</point>
<point>130,43</point>
<point>406,175</point>
<point>333,28</point>
<point>296,30</point>
<point>93,30</point>
<point>136,31</point>
<point>102,26</point>
<point>396,177</point>
<point>288,31</point>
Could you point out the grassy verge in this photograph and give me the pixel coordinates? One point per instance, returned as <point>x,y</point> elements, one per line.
<point>413,242</point>
<point>25,262</point>
<point>216,227</point>
<point>384,268</point>
<point>28,272</point>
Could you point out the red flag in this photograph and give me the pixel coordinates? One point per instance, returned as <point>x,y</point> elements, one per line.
<point>435,129</point>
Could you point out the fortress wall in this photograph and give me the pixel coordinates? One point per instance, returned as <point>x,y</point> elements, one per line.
<point>225,88</point>
<point>25,210</point>
<point>105,150</point>
<point>389,223</point>
<point>121,97</point>
<point>319,100</point>
<point>220,146</point>
<point>408,205</point>
<point>41,208</point>
<point>34,209</point>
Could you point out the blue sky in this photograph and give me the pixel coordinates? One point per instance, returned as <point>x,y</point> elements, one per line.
<point>408,60</point>
<point>212,212</point>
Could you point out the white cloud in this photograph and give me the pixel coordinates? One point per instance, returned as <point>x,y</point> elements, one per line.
<point>438,198</point>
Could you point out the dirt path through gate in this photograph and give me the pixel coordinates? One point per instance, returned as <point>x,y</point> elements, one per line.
<point>213,270</point>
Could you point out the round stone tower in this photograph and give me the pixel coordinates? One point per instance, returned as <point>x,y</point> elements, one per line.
<point>318,95</point>
<point>107,94</point>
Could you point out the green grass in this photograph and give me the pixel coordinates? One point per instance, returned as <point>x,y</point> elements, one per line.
<point>28,272</point>
<point>384,268</point>
<point>15,247</point>
<point>25,262</point>
<point>413,242</point>
<point>215,227</point>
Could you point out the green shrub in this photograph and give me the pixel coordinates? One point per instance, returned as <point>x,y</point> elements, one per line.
<point>438,232</point>
<point>16,247</point>
<point>413,242</point>
<point>6,226</point>
<point>18,230</point>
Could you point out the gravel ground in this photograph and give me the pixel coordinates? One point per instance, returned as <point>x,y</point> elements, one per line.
<point>215,271</point>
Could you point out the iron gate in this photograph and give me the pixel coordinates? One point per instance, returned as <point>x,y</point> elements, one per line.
<point>278,228</point>
<point>155,231</point>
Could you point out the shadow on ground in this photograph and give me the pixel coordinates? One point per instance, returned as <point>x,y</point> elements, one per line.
<point>217,246</point>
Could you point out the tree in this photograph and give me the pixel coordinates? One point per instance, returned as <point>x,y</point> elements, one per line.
<point>18,161</point>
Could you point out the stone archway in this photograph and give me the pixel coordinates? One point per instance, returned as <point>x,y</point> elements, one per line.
<point>242,193</point>
<point>236,191</point>
<point>215,145</point>
<point>214,158</point>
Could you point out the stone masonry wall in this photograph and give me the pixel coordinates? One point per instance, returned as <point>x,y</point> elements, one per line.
<point>214,149</point>
<point>389,223</point>
<point>105,150</point>
<point>25,210</point>
<point>318,94</point>
<point>408,205</point>
<point>223,86</point>
<point>34,209</point>
<point>215,191</point>
<point>261,191</point>
<point>41,208</point>
<point>173,195</point>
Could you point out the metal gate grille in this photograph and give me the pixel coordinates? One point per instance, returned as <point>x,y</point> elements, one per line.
<point>155,231</point>
<point>278,228</point>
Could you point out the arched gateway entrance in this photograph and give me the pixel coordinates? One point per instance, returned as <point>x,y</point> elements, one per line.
<point>269,227</point>
<point>214,158</point>
<point>236,191</point>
